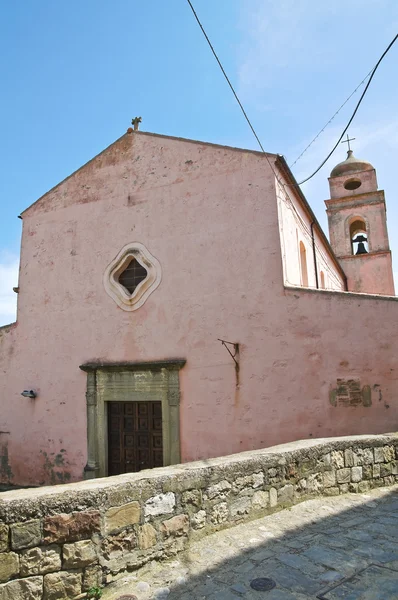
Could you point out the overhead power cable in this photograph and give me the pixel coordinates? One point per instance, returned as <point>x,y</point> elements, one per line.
<point>372,73</point>
<point>353,114</point>
<point>331,118</point>
<point>225,75</point>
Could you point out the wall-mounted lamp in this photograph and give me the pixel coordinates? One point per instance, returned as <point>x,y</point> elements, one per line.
<point>29,394</point>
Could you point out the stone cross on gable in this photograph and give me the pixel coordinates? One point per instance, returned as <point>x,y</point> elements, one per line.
<point>347,141</point>
<point>136,122</point>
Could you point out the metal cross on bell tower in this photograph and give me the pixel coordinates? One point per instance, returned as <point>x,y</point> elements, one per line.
<point>347,141</point>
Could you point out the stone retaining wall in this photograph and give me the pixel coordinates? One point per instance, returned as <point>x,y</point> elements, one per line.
<point>57,542</point>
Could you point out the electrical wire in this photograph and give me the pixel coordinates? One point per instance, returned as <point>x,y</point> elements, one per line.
<point>354,113</point>
<point>226,76</point>
<point>251,126</point>
<point>331,118</point>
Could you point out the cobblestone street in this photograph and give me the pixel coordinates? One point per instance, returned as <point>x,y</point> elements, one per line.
<point>334,548</point>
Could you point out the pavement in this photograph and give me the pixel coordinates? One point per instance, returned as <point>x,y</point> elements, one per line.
<point>334,548</point>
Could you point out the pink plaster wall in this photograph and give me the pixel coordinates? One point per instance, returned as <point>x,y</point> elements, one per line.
<point>371,273</point>
<point>210,216</point>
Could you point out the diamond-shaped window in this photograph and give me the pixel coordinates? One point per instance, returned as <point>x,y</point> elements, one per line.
<point>132,275</point>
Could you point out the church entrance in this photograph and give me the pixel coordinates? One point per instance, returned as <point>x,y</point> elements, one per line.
<point>133,416</point>
<point>135,440</point>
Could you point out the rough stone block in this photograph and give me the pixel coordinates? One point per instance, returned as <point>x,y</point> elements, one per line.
<point>394,467</point>
<point>193,497</point>
<point>332,491</point>
<point>3,537</point>
<point>219,491</point>
<point>79,554</point>
<point>69,528</point>
<point>198,520</point>
<point>379,455</point>
<point>9,565</point>
<point>176,526</point>
<point>353,488</point>
<point>363,486</point>
<point>92,577</point>
<point>350,459</point>
<point>119,517</point>
<point>240,507</point>
<point>146,537</point>
<point>285,494</point>
<point>389,453</point>
<point>325,460</point>
<point>376,471</point>
<point>41,560</point>
<point>273,497</point>
<point>260,500</point>
<point>343,475</point>
<point>22,589</point>
<point>258,479</point>
<point>385,469</point>
<point>367,471</point>
<point>390,480</point>
<point>59,586</point>
<point>329,479</point>
<point>356,474</point>
<point>219,513</point>
<point>248,482</point>
<point>162,504</point>
<point>344,488</point>
<point>364,456</point>
<point>117,545</point>
<point>25,535</point>
<point>337,459</point>
<point>314,483</point>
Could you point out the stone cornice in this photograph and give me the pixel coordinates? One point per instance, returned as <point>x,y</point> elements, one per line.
<point>155,365</point>
<point>356,200</point>
<point>363,256</point>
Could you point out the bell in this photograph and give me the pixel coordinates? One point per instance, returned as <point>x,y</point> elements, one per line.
<point>361,246</point>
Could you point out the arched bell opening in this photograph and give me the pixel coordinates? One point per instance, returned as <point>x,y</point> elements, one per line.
<point>359,237</point>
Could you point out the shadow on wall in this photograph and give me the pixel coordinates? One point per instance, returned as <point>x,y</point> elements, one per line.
<point>343,548</point>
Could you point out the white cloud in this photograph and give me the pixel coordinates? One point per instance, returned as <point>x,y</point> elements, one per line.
<point>276,40</point>
<point>9,266</point>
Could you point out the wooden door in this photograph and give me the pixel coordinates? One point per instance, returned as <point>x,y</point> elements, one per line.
<point>135,440</point>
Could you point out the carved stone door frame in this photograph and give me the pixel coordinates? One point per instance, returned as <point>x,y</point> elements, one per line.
<point>128,382</point>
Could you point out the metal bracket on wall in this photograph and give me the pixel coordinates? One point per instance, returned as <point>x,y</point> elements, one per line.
<point>234,355</point>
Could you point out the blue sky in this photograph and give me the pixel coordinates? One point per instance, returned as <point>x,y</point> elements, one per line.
<point>74,74</point>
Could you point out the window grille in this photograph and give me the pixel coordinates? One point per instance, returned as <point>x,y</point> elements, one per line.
<point>133,275</point>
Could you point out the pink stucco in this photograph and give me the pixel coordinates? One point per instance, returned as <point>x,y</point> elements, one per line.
<point>209,214</point>
<point>370,273</point>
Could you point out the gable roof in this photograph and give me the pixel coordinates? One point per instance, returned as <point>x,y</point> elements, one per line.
<point>149,134</point>
<point>279,161</point>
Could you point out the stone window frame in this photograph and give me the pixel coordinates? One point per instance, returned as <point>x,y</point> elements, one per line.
<point>117,291</point>
<point>131,382</point>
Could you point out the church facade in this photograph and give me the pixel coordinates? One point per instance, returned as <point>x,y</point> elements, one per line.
<point>178,300</point>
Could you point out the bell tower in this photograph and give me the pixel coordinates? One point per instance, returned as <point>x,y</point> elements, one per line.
<point>358,227</point>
